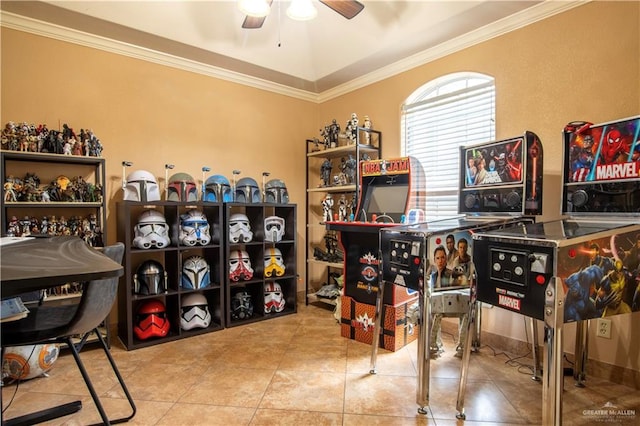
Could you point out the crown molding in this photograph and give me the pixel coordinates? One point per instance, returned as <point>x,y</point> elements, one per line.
<point>536,13</point>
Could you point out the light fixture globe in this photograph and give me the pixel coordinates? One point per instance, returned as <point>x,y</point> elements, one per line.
<point>301,10</point>
<point>255,8</point>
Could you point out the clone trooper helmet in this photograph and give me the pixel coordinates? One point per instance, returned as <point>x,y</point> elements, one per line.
<point>150,278</point>
<point>240,266</point>
<point>217,189</point>
<point>141,186</point>
<point>195,273</point>
<point>194,229</point>
<point>275,191</point>
<point>194,312</point>
<point>247,191</point>
<point>151,320</point>
<point>273,297</point>
<point>182,187</point>
<point>273,229</point>
<point>151,231</point>
<point>273,263</point>
<point>240,228</point>
<point>241,305</point>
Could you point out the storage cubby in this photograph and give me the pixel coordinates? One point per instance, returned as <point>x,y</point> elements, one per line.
<point>172,258</point>
<point>257,249</point>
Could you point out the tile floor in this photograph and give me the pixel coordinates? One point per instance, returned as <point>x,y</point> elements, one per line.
<point>298,370</point>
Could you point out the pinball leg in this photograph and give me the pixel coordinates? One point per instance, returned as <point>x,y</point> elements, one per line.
<point>475,343</point>
<point>553,374</point>
<point>422,390</point>
<point>377,328</point>
<point>582,344</point>
<point>535,350</point>
<point>466,355</point>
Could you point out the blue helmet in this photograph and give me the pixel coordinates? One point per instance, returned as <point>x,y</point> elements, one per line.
<point>195,273</point>
<point>217,189</point>
<point>247,191</point>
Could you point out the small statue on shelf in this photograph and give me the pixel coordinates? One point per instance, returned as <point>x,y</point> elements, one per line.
<point>325,172</point>
<point>327,208</point>
<point>352,129</point>
<point>348,167</point>
<point>342,209</point>
<point>334,131</point>
<point>326,136</point>
<point>367,125</point>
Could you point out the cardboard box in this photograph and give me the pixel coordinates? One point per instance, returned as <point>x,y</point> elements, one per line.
<point>357,323</point>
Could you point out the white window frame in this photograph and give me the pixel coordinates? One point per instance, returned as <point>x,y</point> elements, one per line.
<point>442,115</point>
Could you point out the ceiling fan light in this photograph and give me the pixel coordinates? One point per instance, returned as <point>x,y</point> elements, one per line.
<point>301,10</point>
<point>255,8</point>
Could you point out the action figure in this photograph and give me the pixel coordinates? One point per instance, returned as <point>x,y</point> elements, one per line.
<point>327,208</point>
<point>349,169</point>
<point>325,172</point>
<point>342,208</point>
<point>334,131</point>
<point>367,125</point>
<point>352,129</point>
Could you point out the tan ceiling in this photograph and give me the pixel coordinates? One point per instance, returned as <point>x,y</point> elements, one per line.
<point>313,56</point>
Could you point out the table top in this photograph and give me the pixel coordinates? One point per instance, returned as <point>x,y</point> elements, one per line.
<point>41,263</point>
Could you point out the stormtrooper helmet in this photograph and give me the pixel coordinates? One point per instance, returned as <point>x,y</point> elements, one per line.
<point>150,278</point>
<point>141,186</point>
<point>241,305</point>
<point>240,228</point>
<point>247,191</point>
<point>217,190</point>
<point>194,312</point>
<point>195,273</point>
<point>240,266</point>
<point>273,263</point>
<point>273,229</point>
<point>275,191</point>
<point>194,229</point>
<point>273,297</point>
<point>151,230</point>
<point>151,320</point>
<point>182,187</point>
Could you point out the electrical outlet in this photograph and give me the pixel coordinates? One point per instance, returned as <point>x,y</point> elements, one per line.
<point>604,328</point>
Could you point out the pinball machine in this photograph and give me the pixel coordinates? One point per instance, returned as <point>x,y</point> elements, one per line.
<point>581,267</point>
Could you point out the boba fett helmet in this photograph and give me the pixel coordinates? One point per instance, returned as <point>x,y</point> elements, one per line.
<point>182,187</point>
<point>141,186</point>
<point>275,192</point>
<point>217,189</point>
<point>247,191</point>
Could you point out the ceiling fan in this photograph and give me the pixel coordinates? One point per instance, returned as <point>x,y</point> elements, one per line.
<point>346,8</point>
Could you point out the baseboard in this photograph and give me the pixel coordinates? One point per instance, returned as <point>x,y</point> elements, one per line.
<point>601,370</point>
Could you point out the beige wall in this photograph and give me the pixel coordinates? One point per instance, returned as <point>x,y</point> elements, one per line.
<point>583,64</point>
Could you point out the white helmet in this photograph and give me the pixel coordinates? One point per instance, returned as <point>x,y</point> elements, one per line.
<point>273,263</point>
<point>240,228</point>
<point>151,231</point>
<point>195,273</point>
<point>274,300</point>
<point>273,229</point>
<point>240,266</point>
<point>141,186</point>
<point>194,229</point>
<point>194,312</point>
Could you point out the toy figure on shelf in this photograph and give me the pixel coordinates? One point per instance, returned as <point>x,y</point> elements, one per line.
<point>316,144</point>
<point>348,167</point>
<point>334,131</point>
<point>342,209</point>
<point>352,129</point>
<point>327,208</point>
<point>367,124</point>
<point>325,172</point>
<point>326,136</point>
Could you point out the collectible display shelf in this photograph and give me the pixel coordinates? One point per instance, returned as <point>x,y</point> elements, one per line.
<point>171,257</point>
<point>319,272</point>
<point>258,250</point>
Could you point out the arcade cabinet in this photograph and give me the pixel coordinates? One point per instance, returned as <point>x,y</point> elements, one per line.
<point>584,266</point>
<point>499,185</point>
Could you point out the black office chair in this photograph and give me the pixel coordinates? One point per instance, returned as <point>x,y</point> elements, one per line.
<point>60,324</point>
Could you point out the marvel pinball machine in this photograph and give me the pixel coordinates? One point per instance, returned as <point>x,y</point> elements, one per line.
<point>500,185</point>
<point>581,267</point>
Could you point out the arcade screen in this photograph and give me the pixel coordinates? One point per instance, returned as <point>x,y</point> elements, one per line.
<point>389,199</point>
<point>494,164</point>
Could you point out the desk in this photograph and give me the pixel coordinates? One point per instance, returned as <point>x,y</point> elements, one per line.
<point>42,263</point>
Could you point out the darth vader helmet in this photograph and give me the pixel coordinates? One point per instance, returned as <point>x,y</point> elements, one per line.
<point>195,273</point>
<point>151,230</point>
<point>247,191</point>
<point>240,228</point>
<point>141,186</point>
<point>240,266</point>
<point>217,190</point>
<point>241,305</point>
<point>150,278</point>
<point>194,229</point>
<point>194,312</point>
<point>273,229</point>
<point>182,187</point>
<point>274,300</point>
<point>273,262</point>
<point>275,191</point>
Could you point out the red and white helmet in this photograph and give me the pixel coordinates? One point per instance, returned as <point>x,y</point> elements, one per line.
<point>274,300</point>
<point>240,266</point>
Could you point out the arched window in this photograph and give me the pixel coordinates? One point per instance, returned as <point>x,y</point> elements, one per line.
<point>439,117</point>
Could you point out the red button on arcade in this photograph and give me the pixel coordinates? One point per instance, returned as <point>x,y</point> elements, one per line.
<point>540,279</point>
<point>416,260</point>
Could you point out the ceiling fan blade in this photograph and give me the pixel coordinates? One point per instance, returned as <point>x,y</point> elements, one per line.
<point>253,22</point>
<point>346,8</point>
